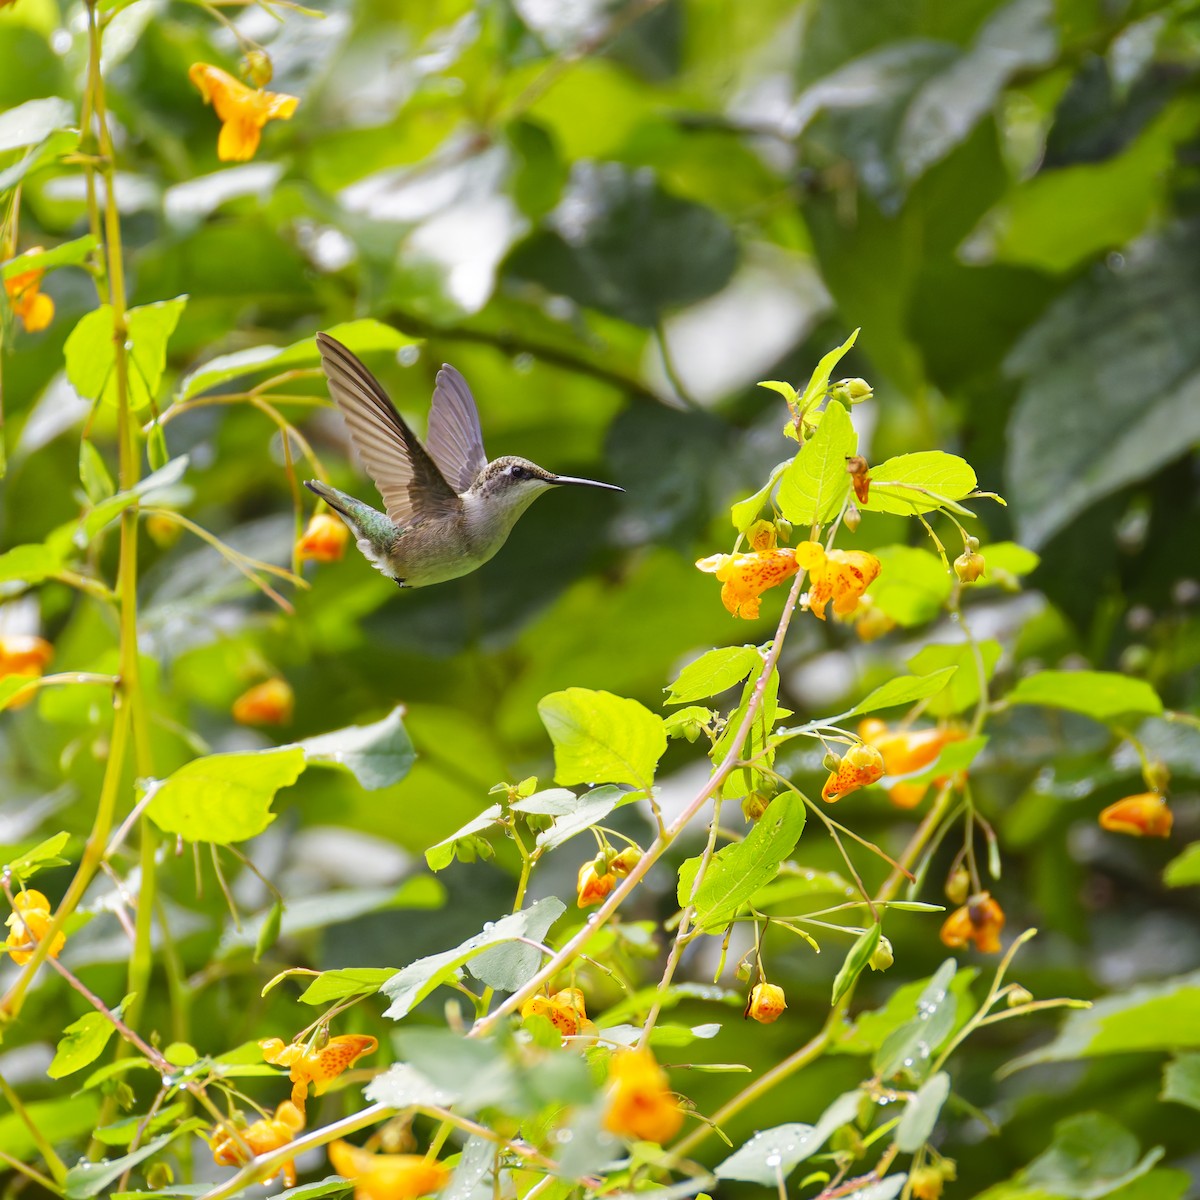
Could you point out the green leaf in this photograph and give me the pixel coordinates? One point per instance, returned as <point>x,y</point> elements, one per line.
<point>30,563</point>
<point>586,811</point>
<point>403,1086</point>
<point>772,1154</point>
<point>331,986</point>
<point>49,150</point>
<point>909,1048</point>
<point>686,722</point>
<point>1184,869</point>
<point>738,870</point>
<point>919,483</point>
<point>872,1029</point>
<point>121,1133</point>
<point>268,933</point>
<point>904,689</point>
<point>441,855</point>
<point>59,1121</point>
<point>44,854</point>
<point>83,1042</point>
<point>87,1179</point>
<point>512,964</point>
<point>602,738</point>
<point>1102,695</point>
<point>912,585</point>
<point>160,481</point>
<point>921,1113</point>
<point>32,122</point>
<point>745,512</point>
<point>816,483</point>
<point>1008,558</point>
<point>91,358</point>
<point>409,986</point>
<point>1181,1080</point>
<point>963,689</point>
<point>1090,1157</point>
<point>224,798</point>
<point>818,381</point>
<point>713,673</point>
<point>864,946</point>
<point>93,473</point>
<point>365,336</point>
<point>67,254</point>
<point>377,755</point>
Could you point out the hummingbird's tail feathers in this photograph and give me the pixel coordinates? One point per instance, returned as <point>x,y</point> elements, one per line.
<point>374,531</point>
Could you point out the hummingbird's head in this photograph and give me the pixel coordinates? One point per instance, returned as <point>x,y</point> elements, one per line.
<point>511,484</point>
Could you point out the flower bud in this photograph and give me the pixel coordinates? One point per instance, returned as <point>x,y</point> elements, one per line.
<point>742,971</point>
<point>852,518</point>
<point>754,805</point>
<point>1143,815</point>
<point>882,957</point>
<point>958,887</point>
<point>872,622</point>
<point>831,761</point>
<point>783,529</point>
<point>857,389</point>
<point>766,1003</point>
<point>926,1183</point>
<point>324,540</point>
<point>969,565</point>
<point>267,703</point>
<point>626,861</point>
<point>1018,996</point>
<point>164,532</point>
<point>256,68</point>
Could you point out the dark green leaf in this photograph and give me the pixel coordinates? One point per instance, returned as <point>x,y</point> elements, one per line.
<point>856,961</point>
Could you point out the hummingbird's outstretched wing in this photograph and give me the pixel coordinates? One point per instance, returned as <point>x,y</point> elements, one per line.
<point>455,439</point>
<point>409,481</point>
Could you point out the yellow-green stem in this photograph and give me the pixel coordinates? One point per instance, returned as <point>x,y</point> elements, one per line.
<point>45,1149</point>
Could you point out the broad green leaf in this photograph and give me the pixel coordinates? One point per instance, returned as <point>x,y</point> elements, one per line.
<point>512,964</point>
<point>31,122</point>
<point>963,688</point>
<point>121,1133</point>
<point>856,961</point>
<point>66,254</point>
<point>30,563</point>
<point>1184,869</point>
<point>921,1113</point>
<point>377,755</point>
<point>441,855</point>
<point>904,689</point>
<point>49,150</point>
<point>149,488</point>
<point>918,483</point>
<point>816,483</point>
<point>912,584</point>
<point>887,1188</point>
<point>87,1179</point>
<point>738,870</point>
<point>224,798</point>
<point>1181,1080</point>
<point>410,985</point>
<point>1102,695</point>
<point>1009,558</point>
<point>772,1154</point>
<point>713,673</point>
<point>477,1159</point>
<point>403,1086</point>
<point>1156,1016</point>
<point>365,336</point>
<point>1090,1157</point>
<point>332,986</point>
<point>44,854</point>
<point>93,473</point>
<point>588,810</point>
<point>818,381</point>
<point>602,738</point>
<point>745,512</point>
<point>83,1042</point>
<point>910,1047</point>
<point>60,1120</point>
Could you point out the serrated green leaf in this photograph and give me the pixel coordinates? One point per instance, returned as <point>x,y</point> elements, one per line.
<point>602,738</point>
<point>904,689</point>
<point>441,855</point>
<point>713,672</point>
<point>963,689</point>
<point>65,255</point>
<point>101,514</point>
<point>44,854</point>
<point>586,811</point>
<point>31,122</point>
<point>918,483</point>
<point>1102,695</point>
<point>332,986</point>
<point>745,512</point>
<point>48,150</point>
<point>30,563</point>
<point>818,381</point>
<point>856,960</point>
<point>816,483</point>
<point>224,798</point>
<point>377,755</point>
<point>87,1179</point>
<point>83,1042</point>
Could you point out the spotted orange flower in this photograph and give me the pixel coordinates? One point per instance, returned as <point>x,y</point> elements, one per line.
<point>860,766</point>
<point>838,575</point>
<point>320,1067</point>
<point>387,1176</point>
<point>263,1136</point>
<point>591,886</point>
<point>744,577</point>
<point>324,540</point>
<point>268,703</point>
<point>1143,815</point>
<point>27,926</point>
<point>906,751</point>
<point>243,110</point>
<point>30,304</point>
<point>765,1003</point>
<point>565,1010</point>
<point>25,655</point>
<point>979,920</point>
<point>640,1102</point>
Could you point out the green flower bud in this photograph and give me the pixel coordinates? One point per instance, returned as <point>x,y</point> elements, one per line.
<point>883,956</point>
<point>256,68</point>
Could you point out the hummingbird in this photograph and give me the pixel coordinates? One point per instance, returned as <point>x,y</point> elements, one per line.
<point>448,509</point>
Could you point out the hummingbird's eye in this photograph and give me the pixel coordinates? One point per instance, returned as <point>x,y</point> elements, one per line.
<point>518,472</point>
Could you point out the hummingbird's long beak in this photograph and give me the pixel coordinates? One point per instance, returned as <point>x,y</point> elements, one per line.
<point>609,487</point>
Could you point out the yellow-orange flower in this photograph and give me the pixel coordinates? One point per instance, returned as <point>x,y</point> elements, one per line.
<point>324,540</point>
<point>626,861</point>
<point>838,575</point>
<point>860,477</point>
<point>25,655</point>
<point>268,703</point>
<point>744,577</point>
<point>766,1003</point>
<point>905,751</point>
<point>593,887</point>
<point>29,303</point>
<point>640,1102</point>
<point>243,110</point>
<point>262,1137</point>
<point>1143,815</point>
<point>871,622</point>
<point>320,1067</point>
<point>564,1010</point>
<point>387,1176</point>
<point>861,766</point>
<point>979,920</point>
<point>27,926</point>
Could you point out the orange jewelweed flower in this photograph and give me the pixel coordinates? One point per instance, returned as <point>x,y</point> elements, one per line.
<point>324,540</point>
<point>765,1003</point>
<point>979,920</point>
<point>564,1010</point>
<point>591,887</point>
<point>268,703</point>
<point>265,1135</point>
<point>387,1176</point>
<point>318,1067</point>
<point>243,110</point>
<point>860,477</point>
<point>26,655</point>
<point>861,766</point>
<point>27,926</point>
<point>870,622</point>
<point>640,1102</point>
<point>29,303</point>
<point>838,575</point>
<point>1143,815</point>
<point>906,751</point>
<point>746,576</point>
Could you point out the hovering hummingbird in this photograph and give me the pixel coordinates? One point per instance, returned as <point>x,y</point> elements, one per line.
<point>448,509</point>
